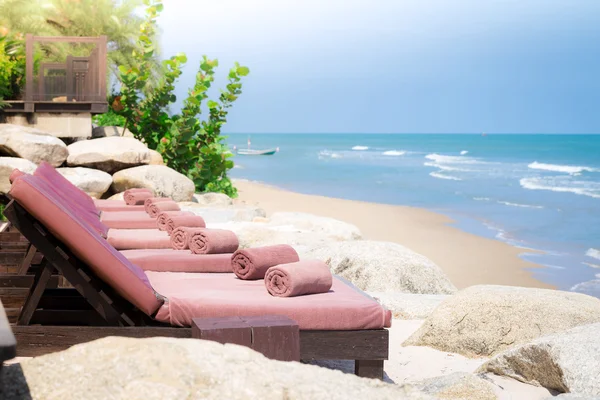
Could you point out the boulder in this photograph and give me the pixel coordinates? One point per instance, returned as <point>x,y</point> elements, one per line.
<point>156,158</point>
<point>117,196</point>
<point>168,368</point>
<point>92,181</point>
<point>337,230</point>
<point>383,267</point>
<point>212,199</point>
<point>109,131</point>
<point>7,165</point>
<point>486,319</point>
<point>408,305</point>
<point>458,385</point>
<point>110,154</point>
<point>164,181</point>
<point>223,214</point>
<point>568,362</point>
<point>32,144</point>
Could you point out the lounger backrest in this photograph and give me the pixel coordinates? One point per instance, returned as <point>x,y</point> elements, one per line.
<point>108,264</point>
<point>61,183</point>
<point>82,213</point>
<point>16,173</point>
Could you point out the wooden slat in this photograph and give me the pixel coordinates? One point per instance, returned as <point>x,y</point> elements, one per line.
<point>369,369</point>
<point>344,345</point>
<point>65,39</point>
<point>38,340</point>
<point>23,281</point>
<point>37,290</point>
<point>12,237</point>
<point>11,258</point>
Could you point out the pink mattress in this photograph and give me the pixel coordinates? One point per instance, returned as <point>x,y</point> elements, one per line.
<point>223,295</point>
<point>127,239</point>
<point>115,205</point>
<point>128,220</point>
<point>178,261</point>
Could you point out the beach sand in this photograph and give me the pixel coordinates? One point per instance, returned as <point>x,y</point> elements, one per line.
<point>467,259</point>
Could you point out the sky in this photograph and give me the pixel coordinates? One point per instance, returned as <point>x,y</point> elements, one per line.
<point>398,66</point>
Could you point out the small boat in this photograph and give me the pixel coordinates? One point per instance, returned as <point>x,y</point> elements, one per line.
<point>252,152</point>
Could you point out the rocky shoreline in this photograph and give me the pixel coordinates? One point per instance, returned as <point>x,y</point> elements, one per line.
<point>482,342</point>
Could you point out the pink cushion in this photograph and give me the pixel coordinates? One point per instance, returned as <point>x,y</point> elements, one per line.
<point>111,266</point>
<point>170,260</point>
<point>16,173</point>
<point>128,220</point>
<point>127,239</point>
<point>115,205</point>
<point>223,295</point>
<point>62,184</point>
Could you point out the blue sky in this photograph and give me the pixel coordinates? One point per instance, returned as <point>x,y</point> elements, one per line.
<point>398,66</point>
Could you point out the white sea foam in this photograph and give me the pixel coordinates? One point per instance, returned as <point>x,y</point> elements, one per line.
<point>560,184</point>
<point>445,167</point>
<point>591,288</point>
<point>360,148</point>
<point>481,198</point>
<point>441,159</point>
<point>329,154</point>
<point>507,203</point>
<point>569,169</point>
<point>462,153</point>
<point>594,253</point>
<point>393,153</point>
<point>442,176</point>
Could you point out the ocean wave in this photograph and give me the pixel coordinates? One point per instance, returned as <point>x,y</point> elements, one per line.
<point>393,153</point>
<point>442,176</point>
<point>360,148</point>
<point>442,159</point>
<point>591,288</point>
<point>445,167</point>
<point>462,153</point>
<point>569,169</point>
<point>329,154</point>
<point>559,184</point>
<point>593,253</point>
<point>507,203</point>
<point>481,198</point>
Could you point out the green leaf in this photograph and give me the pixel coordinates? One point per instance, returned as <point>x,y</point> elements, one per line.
<point>212,104</point>
<point>243,71</point>
<point>123,69</point>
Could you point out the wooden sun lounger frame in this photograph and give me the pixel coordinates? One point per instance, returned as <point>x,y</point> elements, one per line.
<point>92,310</point>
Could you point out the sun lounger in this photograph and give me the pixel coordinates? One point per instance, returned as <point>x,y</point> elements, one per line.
<point>8,345</point>
<point>112,296</point>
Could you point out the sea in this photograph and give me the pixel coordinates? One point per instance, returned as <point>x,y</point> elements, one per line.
<point>538,192</point>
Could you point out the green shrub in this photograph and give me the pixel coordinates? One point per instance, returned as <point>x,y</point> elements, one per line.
<point>12,67</point>
<point>189,145</point>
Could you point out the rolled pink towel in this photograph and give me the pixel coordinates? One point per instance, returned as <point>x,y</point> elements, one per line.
<point>212,241</point>
<point>163,218</point>
<point>153,200</point>
<point>16,173</point>
<point>136,198</point>
<point>253,263</point>
<point>299,278</point>
<point>180,238</point>
<point>188,221</point>
<point>138,190</point>
<point>157,208</point>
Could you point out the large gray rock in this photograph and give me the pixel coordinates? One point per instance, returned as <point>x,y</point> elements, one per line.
<point>237,213</point>
<point>167,368</point>
<point>212,199</point>
<point>409,305</point>
<point>333,228</point>
<point>92,181</point>
<point>7,165</point>
<point>109,131</point>
<point>383,267</point>
<point>164,181</point>
<point>458,385</point>
<point>110,154</point>
<point>32,144</point>
<point>485,320</point>
<point>566,362</point>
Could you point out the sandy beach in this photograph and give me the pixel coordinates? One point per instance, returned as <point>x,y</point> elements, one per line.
<point>467,259</point>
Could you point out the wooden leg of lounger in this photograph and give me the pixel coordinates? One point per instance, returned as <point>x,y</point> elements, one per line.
<point>27,260</point>
<point>37,290</point>
<point>369,368</point>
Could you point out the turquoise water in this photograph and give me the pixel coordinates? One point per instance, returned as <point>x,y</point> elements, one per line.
<point>531,191</point>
